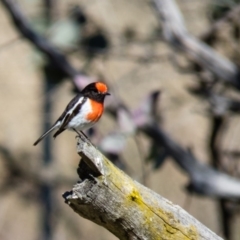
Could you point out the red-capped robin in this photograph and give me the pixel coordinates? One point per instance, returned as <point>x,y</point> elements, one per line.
<point>82,112</point>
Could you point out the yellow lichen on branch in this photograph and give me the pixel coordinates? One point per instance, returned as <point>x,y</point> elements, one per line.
<point>152,215</point>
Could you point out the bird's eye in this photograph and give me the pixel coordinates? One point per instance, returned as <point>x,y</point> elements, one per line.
<point>95,91</point>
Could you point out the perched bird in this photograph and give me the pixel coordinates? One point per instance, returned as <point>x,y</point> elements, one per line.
<point>82,112</point>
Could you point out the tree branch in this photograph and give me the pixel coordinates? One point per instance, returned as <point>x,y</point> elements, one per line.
<point>203,179</point>
<point>40,42</point>
<point>176,35</point>
<point>110,198</point>
<point>55,57</point>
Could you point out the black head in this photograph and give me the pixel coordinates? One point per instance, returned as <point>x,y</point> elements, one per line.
<point>96,91</point>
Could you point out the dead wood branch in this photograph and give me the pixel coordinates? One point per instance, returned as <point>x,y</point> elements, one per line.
<point>55,57</point>
<point>110,198</point>
<point>203,179</point>
<point>176,34</point>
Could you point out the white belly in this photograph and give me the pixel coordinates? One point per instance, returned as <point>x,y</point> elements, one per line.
<point>79,122</point>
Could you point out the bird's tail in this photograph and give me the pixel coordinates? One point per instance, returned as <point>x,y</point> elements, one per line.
<point>45,134</point>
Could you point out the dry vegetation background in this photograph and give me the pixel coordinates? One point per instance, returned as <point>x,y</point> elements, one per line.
<point>137,62</point>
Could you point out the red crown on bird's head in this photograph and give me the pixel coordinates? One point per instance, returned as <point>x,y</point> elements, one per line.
<point>101,87</point>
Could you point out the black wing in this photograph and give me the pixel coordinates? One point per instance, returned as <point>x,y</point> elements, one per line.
<point>70,106</point>
<point>67,117</point>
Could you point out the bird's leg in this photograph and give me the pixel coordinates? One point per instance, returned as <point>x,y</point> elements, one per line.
<point>78,133</point>
<point>82,136</point>
<point>86,137</point>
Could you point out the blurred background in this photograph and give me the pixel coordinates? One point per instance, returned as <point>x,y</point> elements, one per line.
<point>50,49</point>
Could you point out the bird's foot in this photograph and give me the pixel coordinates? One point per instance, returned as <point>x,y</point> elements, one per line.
<point>83,137</point>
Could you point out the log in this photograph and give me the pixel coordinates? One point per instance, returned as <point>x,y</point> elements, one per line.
<point>129,210</point>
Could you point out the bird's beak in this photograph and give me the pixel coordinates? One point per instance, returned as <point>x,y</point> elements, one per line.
<point>107,93</point>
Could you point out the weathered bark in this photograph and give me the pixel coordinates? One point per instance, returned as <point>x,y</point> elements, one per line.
<point>110,198</point>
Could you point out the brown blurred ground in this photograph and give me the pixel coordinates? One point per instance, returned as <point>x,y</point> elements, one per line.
<point>21,107</point>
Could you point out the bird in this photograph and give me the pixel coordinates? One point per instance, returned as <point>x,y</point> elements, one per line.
<point>82,112</point>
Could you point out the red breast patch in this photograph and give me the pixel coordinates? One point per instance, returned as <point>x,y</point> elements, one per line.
<point>97,110</point>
